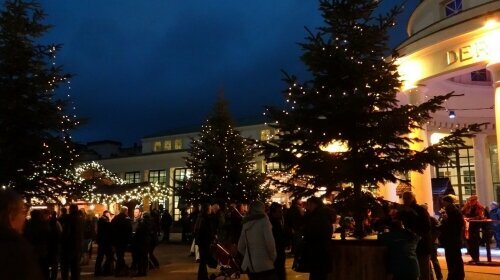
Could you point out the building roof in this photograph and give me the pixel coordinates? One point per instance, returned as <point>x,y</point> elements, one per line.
<point>244,121</point>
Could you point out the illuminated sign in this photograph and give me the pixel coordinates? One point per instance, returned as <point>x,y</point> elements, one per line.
<point>478,50</point>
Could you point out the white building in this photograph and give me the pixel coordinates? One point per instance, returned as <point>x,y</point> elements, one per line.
<point>454,45</point>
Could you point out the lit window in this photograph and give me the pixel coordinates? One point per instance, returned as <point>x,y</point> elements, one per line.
<point>167,145</point>
<point>452,7</point>
<point>273,166</point>
<point>178,144</point>
<point>159,176</point>
<point>479,76</point>
<point>132,177</point>
<point>265,134</point>
<point>157,146</point>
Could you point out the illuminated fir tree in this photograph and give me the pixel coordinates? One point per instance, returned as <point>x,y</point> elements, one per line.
<point>35,145</point>
<point>350,100</point>
<point>222,164</point>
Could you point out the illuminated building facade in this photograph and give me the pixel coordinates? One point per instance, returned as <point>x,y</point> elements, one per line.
<point>455,46</point>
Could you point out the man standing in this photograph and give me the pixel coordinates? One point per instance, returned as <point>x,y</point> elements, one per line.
<point>104,239</point>
<point>122,230</point>
<point>473,211</point>
<point>318,230</point>
<point>72,242</point>
<point>417,219</point>
<point>134,245</point>
<point>166,223</point>
<point>452,228</point>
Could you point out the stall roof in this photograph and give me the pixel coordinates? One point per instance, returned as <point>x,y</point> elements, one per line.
<point>442,186</point>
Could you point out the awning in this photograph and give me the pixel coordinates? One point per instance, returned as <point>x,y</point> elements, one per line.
<point>442,186</point>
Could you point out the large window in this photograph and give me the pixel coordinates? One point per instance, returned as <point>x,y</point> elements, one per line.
<point>157,146</point>
<point>159,176</point>
<point>167,145</point>
<point>494,172</point>
<point>178,144</point>
<point>180,175</point>
<point>452,7</point>
<point>133,177</point>
<point>461,172</point>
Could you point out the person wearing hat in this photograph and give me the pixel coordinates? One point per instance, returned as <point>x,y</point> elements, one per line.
<point>452,231</point>
<point>257,244</point>
<point>473,211</point>
<point>495,226</point>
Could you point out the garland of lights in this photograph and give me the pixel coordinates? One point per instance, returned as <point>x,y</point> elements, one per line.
<point>92,194</point>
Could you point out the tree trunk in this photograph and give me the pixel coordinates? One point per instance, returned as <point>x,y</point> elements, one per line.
<point>359,213</point>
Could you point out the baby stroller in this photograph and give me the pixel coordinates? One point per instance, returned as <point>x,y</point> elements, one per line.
<point>229,264</point>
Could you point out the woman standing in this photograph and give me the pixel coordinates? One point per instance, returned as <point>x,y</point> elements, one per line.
<point>257,245</point>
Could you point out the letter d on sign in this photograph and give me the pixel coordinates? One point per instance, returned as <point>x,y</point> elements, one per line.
<point>451,57</point>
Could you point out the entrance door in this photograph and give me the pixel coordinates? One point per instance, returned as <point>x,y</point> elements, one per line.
<point>461,172</point>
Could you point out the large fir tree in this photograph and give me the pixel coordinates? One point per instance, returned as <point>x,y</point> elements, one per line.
<point>222,164</point>
<point>351,100</point>
<point>35,145</point>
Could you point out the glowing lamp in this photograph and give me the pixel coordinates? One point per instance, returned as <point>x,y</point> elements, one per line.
<point>335,146</point>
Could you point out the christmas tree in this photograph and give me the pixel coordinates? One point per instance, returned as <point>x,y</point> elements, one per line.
<point>222,164</point>
<point>350,104</point>
<point>35,146</point>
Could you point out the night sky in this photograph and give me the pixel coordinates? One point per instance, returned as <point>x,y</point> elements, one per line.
<point>143,67</point>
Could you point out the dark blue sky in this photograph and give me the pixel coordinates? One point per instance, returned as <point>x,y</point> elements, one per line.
<point>142,67</point>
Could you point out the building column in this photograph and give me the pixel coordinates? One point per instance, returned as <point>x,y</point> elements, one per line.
<point>388,191</point>
<point>421,182</point>
<point>483,179</point>
<point>494,68</point>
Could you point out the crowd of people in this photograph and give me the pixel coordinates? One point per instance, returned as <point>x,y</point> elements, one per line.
<point>410,233</point>
<point>414,236</point>
<point>48,244</point>
<point>259,237</point>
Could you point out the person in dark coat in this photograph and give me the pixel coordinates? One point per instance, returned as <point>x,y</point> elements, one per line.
<point>294,222</point>
<point>140,244</point>
<point>135,223</point>
<point>17,256</point>
<point>71,246</point>
<point>318,232</point>
<point>401,249</point>
<point>104,241</point>
<point>434,237</point>
<point>152,241</point>
<point>280,238</point>
<point>186,227</point>
<point>204,235</point>
<point>166,223</point>
<point>234,223</point>
<point>121,228</point>
<point>452,231</point>
<point>54,245</point>
<point>37,232</point>
<point>417,219</point>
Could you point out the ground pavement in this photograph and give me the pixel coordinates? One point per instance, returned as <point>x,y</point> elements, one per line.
<point>176,264</point>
